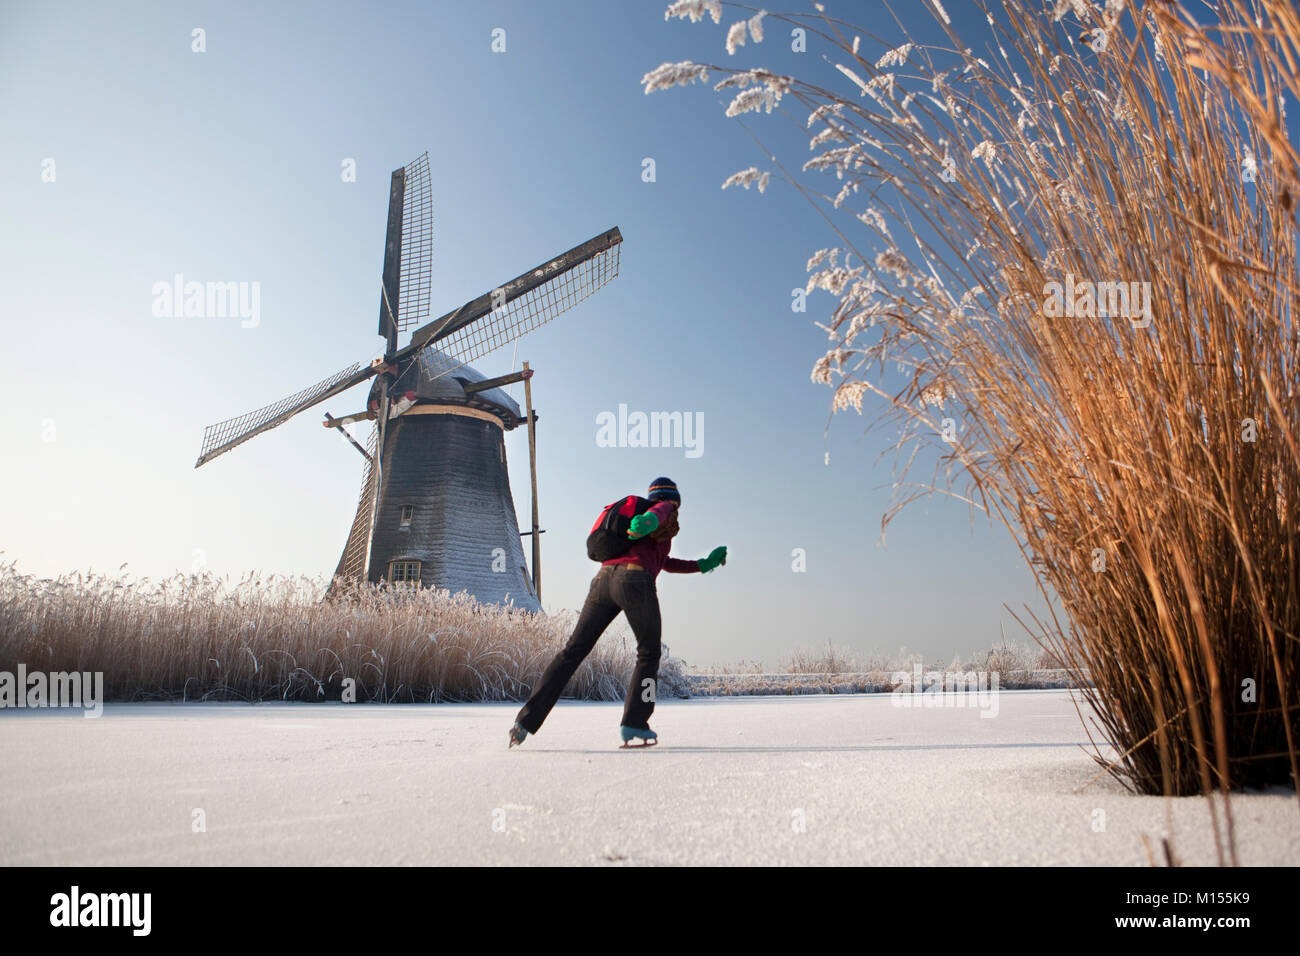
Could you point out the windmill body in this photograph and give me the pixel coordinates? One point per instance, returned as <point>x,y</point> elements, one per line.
<point>445,509</point>
<point>435,507</point>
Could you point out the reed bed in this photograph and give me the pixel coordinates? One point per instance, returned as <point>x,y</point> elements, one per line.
<point>1004,657</point>
<point>833,669</point>
<point>196,637</point>
<point>1145,459</point>
<point>830,658</point>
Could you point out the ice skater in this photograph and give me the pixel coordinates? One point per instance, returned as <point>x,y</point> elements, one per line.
<point>636,534</point>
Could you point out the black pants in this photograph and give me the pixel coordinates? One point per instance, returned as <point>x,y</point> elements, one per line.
<point>613,589</point>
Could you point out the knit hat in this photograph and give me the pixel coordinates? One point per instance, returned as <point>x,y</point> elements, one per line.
<point>664,489</point>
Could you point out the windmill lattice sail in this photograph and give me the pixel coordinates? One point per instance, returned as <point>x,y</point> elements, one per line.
<point>416,281</point>
<point>524,303</point>
<point>356,553</point>
<point>525,311</point>
<point>223,436</point>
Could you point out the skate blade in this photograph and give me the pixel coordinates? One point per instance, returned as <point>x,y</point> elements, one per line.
<point>631,746</point>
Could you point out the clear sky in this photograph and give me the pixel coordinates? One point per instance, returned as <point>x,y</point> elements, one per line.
<point>226,165</point>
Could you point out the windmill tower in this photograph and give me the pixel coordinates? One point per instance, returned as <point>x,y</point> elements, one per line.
<point>435,504</point>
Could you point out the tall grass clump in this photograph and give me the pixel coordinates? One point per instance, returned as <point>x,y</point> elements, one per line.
<point>830,659</point>
<point>196,637</point>
<point>1142,449</point>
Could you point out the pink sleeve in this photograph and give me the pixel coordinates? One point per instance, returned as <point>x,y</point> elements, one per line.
<point>663,510</point>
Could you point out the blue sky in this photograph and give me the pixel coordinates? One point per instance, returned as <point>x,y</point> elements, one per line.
<point>225,165</point>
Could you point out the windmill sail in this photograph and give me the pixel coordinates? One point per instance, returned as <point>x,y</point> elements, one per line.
<point>524,303</point>
<point>416,280</point>
<point>478,327</point>
<point>407,281</point>
<point>223,436</point>
<point>356,553</point>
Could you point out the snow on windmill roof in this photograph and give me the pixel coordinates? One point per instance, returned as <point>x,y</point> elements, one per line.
<point>436,377</point>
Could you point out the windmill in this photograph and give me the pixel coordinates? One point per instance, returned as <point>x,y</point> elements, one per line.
<point>435,504</point>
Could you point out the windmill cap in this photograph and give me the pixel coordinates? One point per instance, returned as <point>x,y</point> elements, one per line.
<point>437,378</point>
<point>664,489</point>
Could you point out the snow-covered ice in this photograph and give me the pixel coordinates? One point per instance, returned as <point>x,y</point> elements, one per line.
<point>774,780</point>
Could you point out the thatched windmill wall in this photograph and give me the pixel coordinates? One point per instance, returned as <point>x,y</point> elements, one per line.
<point>444,497</point>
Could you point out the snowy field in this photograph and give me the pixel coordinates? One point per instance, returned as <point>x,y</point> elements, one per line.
<point>790,780</point>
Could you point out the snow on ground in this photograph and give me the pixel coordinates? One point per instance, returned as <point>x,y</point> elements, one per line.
<point>777,780</point>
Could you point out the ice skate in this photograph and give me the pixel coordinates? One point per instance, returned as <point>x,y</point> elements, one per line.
<point>517,734</point>
<point>647,737</point>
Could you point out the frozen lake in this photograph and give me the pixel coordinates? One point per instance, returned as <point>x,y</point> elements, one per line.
<point>777,780</point>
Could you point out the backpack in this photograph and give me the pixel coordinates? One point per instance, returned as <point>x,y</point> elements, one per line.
<point>608,537</point>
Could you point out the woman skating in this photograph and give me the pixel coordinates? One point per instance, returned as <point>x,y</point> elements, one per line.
<point>624,583</point>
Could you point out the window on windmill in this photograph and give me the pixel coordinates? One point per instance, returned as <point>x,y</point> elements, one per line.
<point>404,572</point>
<point>408,512</point>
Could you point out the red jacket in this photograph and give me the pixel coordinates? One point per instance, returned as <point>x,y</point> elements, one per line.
<point>653,555</point>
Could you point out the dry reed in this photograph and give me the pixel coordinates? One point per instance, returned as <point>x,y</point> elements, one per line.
<point>1146,463</point>
<point>195,637</point>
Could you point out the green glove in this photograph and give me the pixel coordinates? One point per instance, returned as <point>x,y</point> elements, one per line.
<point>643,525</point>
<point>716,556</point>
